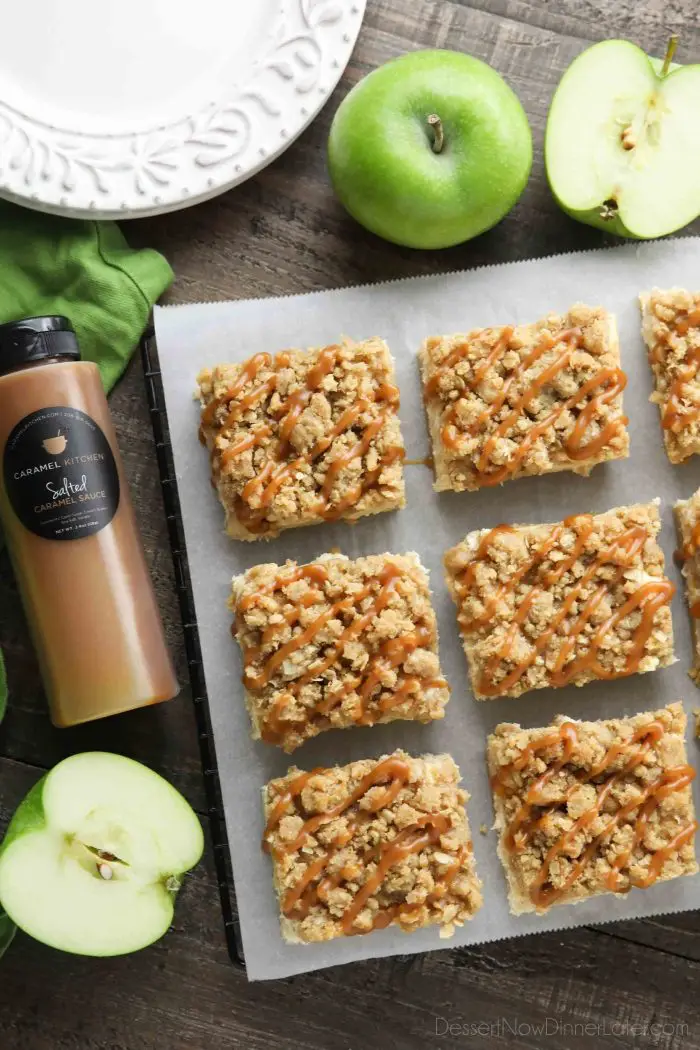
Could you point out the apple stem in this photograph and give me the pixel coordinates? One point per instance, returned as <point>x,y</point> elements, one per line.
<point>438,133</point>
<point>670,52</point>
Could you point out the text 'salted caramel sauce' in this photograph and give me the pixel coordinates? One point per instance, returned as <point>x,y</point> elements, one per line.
<point>71,532</point>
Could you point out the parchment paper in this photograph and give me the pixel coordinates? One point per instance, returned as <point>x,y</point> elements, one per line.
<point>404,312</point>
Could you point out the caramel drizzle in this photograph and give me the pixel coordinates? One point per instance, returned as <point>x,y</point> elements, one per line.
<point>673,416</point>
<point>690,548</point>
<point>686,552</point>
<point>235,393</point>
<point>314,886</point>
<point>535,811</point>
<point>602,388</point>
<point>649,598</point>
<point>392,654</point>
<point>280,467</point>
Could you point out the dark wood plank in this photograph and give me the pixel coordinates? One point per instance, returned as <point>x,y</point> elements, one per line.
<point>183,993</point>
<point>284,232</point>
<point>646,22</point>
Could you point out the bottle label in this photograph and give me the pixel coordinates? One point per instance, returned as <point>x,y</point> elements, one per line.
<point>60,475</point>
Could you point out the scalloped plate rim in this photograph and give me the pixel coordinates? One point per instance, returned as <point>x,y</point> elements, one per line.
<point>330,40</point>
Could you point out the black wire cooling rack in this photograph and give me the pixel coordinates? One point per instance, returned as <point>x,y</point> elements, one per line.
<point>171,500</point>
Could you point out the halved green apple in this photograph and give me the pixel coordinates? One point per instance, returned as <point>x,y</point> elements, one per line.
<point>94,856</point>
<point>622,146</point>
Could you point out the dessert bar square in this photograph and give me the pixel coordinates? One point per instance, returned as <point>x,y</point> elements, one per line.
<point>585,808</point>
<point>687,513</point>
<point>337,643</point>
<point>671,330</point>
<point>377,843</point>
<point>523,400</point>
<point>303,437</point>
<point>562,604</point>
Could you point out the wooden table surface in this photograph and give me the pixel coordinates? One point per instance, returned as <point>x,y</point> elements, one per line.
<point>628,984</point>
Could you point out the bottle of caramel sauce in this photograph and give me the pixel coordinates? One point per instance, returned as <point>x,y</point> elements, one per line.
<point>71,532</point>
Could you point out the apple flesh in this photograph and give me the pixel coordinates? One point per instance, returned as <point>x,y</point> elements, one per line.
<point>622,146</point>
<point>94,856</point>
<point>430,149</point>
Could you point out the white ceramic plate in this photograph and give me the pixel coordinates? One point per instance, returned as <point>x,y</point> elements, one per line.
<point>126,108</point>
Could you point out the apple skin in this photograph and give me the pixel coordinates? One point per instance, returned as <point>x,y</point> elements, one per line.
<point>3,688</point>
<point>382,164</point>
<point>7,932</point>
<point>30,819</point>
<point>592,216</point>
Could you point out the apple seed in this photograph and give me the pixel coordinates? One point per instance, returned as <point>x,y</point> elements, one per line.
<point>105,871</point>
<point>628,138</point>
<point>438,133</point>
<point>104,854</point>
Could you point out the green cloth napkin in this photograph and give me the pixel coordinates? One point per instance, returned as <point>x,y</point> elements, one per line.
<point>85,271</point>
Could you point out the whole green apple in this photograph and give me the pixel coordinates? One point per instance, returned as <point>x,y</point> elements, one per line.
<point>430,149</point>
<point>622,146</point>
<point>94,856</point>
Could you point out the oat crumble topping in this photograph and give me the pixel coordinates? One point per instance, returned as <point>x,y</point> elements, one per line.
<point>337,643</point>
<point>585,808</point>
<point>303,437</point>
<point>671,330</point>
<point>375,843</point>
<point>565,603</point>
<point>687,514</point>
<point>525,400</point>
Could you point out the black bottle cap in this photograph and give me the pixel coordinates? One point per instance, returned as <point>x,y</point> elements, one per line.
<point>36,339</point>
